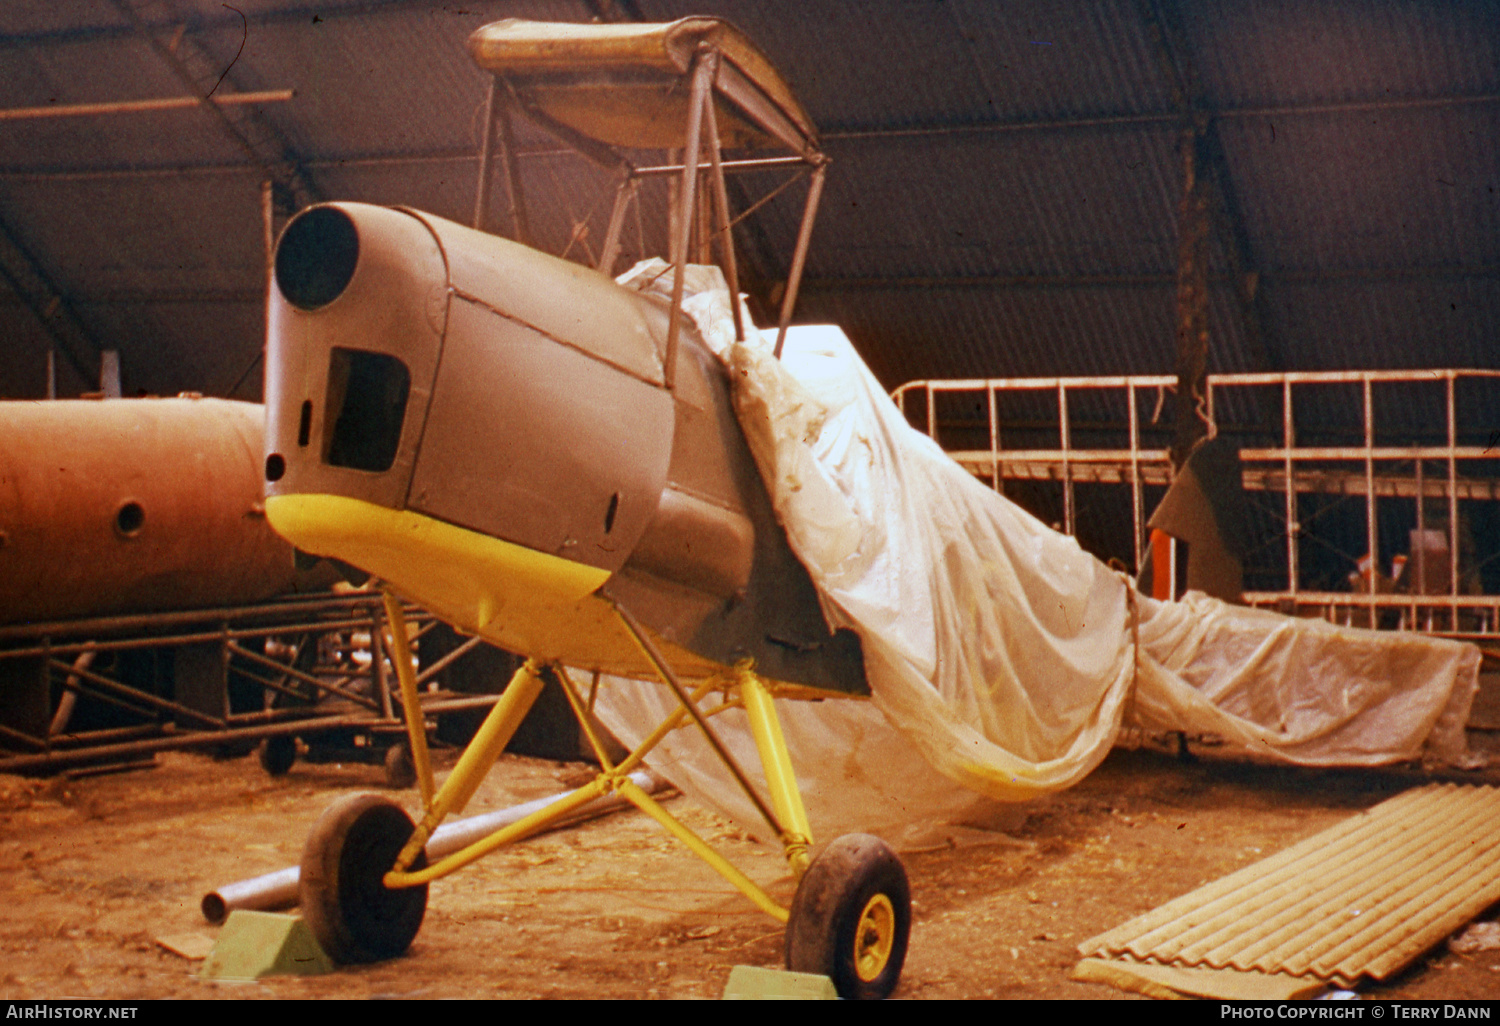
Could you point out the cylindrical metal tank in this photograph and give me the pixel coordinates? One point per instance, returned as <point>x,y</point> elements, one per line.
<point>116,505</point>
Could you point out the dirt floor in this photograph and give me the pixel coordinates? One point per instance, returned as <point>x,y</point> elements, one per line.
<point>94,870</point>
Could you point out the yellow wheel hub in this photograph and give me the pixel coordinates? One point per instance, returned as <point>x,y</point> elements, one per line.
<point>874,937</point>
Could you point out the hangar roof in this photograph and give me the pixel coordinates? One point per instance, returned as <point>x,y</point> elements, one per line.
<point>1002,199</point>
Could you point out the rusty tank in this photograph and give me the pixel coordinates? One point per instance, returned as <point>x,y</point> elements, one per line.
<point>133,505</point>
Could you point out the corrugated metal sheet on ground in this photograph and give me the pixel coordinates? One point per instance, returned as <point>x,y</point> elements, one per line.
<point>1363,898</point>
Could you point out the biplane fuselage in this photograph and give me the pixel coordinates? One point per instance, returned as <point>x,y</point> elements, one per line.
<point>551,460</point>
<point>488,429</point>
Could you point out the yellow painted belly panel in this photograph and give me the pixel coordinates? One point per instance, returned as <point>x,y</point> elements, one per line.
<point>516,598</point>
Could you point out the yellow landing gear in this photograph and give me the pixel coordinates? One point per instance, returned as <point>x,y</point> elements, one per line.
<point>365,875</point>
<point>355,917</point>
<point>851,917</point>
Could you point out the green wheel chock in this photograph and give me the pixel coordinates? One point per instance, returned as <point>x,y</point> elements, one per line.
<point>256,944</point>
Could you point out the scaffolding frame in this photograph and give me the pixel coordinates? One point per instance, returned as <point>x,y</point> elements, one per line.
<point>1349,470</point>
<point>346,687</point>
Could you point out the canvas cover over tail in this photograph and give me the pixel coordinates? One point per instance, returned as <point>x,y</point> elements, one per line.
<point>1002,657</point>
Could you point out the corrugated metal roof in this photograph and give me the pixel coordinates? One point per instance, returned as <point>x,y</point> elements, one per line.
<point>1398,188</point>
<point>1320,51</point>
<point>1023,330</point>
<point>33,17</point>
<point>899,208</point>
<point>399,80</point>
<point>1002,199</point>
<point>1364,898</point>
<point>894,64</point>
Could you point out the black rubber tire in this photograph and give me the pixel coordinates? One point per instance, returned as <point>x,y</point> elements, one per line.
<point>400,770</point>
<point>353,915</point>
<point>278,754</point>
<point>822,935</point>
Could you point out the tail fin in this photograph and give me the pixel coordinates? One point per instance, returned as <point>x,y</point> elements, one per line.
<point>1205,507</point>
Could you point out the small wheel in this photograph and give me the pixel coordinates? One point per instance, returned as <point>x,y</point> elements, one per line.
<point>400,771</point>
<point>277,754</point>
<point>851,917</point>
<point>355,917</point>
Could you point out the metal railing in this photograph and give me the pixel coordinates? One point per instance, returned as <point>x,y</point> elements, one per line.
<point>1443,469</point>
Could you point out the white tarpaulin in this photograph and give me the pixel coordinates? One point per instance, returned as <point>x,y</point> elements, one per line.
<point>1001,656</point>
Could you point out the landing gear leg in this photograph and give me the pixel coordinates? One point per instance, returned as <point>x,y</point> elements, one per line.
<point>363,876</point>
<point>851,915</point>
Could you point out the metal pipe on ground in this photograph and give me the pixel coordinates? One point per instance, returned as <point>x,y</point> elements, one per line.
<point>69,696</point>
<point>278,890</point>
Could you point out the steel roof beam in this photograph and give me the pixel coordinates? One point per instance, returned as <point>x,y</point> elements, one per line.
<point>146,297</point>
<point>217,20</point>
<point>34,287</point>
<point>446,155</point>
<point>246,127</point>
<point>896,283</point>
<point>158,103</point>
<point>1172,52</point>
<point>1158,119</point>
<point>1451,272</point>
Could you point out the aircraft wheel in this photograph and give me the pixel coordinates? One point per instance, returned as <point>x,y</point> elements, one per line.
<point>400,771</point>
<point>851,917</point>
<point>355,917</point>
<point>277,754</point>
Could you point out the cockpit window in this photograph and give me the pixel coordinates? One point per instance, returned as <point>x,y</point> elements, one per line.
<point>366,405</point>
